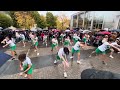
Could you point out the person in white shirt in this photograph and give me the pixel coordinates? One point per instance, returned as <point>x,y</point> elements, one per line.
<point>76,49</point>
<point>112,49</point>
<point>12,45</point>
<point>22,36</point>
<point>75,38</point>
<point>54,44</point>
<point>105,39</point>
<point>35,43</point>
<point>25,66</point>
<point>62,55</point>
<point>45,40</point>
<point>102,50</point>
<point>17,37</point>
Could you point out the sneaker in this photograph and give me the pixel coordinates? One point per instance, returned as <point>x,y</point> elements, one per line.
<point>38,54</point>
<point>35,50</point>
<point>55,61</point>
<point>111,56</point>
<point>65,74</point>
<point>78,61</point>
<point>13,59</point>
<point>90,56</point>
<point>46,45</point>
<point>25,75</point>
<point>71,57</point>
<point>118,52</point>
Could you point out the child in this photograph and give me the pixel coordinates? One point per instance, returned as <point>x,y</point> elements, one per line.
<point>22,36</point>
<point>12,45</point>
<point>75,38</point>
<point>25,66</point>
<point>67,42</point>
<point>45,39</point>
<point>76,49</point>
<point>35,43</point>
<point>54,44</point>
<point>102,50</point>
<point>61,55</point>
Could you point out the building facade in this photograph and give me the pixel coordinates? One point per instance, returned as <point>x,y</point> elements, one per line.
<point>96,20</point>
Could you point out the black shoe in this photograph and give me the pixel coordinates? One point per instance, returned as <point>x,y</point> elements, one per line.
<point>13,58</point>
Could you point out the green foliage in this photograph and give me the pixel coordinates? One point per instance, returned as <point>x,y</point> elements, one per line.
<point>12,14</point>
<point>37,18</point>
<point>50,20</point>
<point>5,21</point>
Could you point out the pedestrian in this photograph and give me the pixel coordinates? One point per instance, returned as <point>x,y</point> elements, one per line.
<point>62,56</point>
<point>12,45</point>
<point>101,51</point>
<point>76,49</point>
<point>25,66</point>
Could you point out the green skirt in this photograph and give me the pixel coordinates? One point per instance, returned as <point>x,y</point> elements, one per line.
<point>30,71</point>
<point>13,48</point>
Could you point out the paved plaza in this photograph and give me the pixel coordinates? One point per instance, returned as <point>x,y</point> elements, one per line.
<point>44,67</point>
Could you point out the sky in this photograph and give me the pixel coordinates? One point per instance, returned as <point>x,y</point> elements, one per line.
<point>67,13</point>
<point>108,15</point>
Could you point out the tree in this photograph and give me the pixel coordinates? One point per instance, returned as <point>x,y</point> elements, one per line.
<point>43,21</point>
<point>37,18</point>
<point>50,20</point>
<point>62,22</point>
<point>12,14</point>
<point>24,19</point>
<point>5,21</point>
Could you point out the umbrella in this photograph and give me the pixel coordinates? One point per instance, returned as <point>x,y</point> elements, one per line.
<point>86,31</point>
<point>1,28</point>
<point>67,30</point>
<point>116,30</point>
<point>104,33</point>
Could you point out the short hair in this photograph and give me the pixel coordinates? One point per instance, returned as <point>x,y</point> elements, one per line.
<point>110,40</point>
<point>22,57</point>
<point>66,50</point>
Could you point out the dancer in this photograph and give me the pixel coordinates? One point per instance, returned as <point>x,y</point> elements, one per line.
<point>67,42</point>
<point>102,51</point>
<point>62,55</point>
<point>75,38</point>
<point>22,36</point>
<point>25,66</point>
<point>35,43</point>
<point>54,43</point>
<point>12,45</point>
<point>45,40</point>
<point>76,49</point>
<point>112,49</point>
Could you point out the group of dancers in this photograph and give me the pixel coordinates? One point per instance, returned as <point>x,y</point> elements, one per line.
<point>69,45</point>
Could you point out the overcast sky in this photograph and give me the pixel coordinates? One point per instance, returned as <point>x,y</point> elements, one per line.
<point>67,13</point>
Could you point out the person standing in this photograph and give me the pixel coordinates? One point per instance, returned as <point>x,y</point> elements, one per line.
<point>54,43</point>
<point>35,43</point>
<point>76,49</point>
